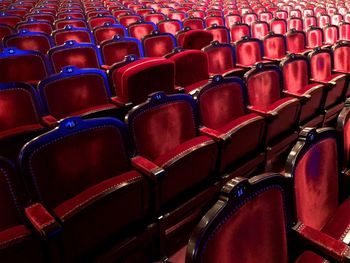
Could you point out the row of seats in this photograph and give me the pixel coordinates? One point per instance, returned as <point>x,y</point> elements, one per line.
<point>166,181</point>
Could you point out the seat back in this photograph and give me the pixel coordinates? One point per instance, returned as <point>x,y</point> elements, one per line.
<point>10,20</point>
<point>141,29</point>
<point>230,228</point>
<point>232,19</point>
<point>194,23</point>
<point>77,155</point>
<point>26,40</point>
<point>71,53</point>
<point>238,31</point>
<point>296,41</point>
<point>214,20</point>
<point>100,20</point>
<point>249,51</point>
<point>5,30</point>
<point>264,85</point>
<point>265,16</point>
<point>313,166</point>
<point>108,31</point>
<point>323,20</point>
<point>296,72</point>
<point>170,26</point>
<point>75,22</point>
<point>336,19</point>
<point>341,55</point>
<point>343,128</point>
<point>154,17</point>
<point>260,29</point>
<point>314,37</point>
<point>221,57</point>
<point>278,26</point>
<point>220,33</point>
<point>275,46</point>
<point>344,31</point>
<point>330,34</point>
<point>135,79</point>
<point>73,90</point>
<point>158,44</point>
<point>249,18</point>
<point>79,35</point>
<point>185,61</point>
<point>35,26</point>
<point>128,19</point>
<point>295,23</point>
<point>32,66</point>
<point>310,21</point>
<point>197,39</point>
<point>321,64</point>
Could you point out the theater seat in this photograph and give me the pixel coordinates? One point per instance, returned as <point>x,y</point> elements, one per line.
<point>80,35</point>
<point>36,25</point>
<point>158,44</point>
<point>341,55</point>
<point>296,42</point>
<point>170,26</point>
<point>141,29</point>
<point>314,168</point>
<point>264,89</point>
<point>275,47</point>
<point>75,92</point>
<point>108,31</point>
<point>185,61</point>
<point>17,242</point>
<point>133,79</point>
<point>179,160</point>
<point>197,39</point>
<point>230,229</point>
<point>91,182</point>
<point>220,33</point>
<point>225,118</point>
<point>239,30</point>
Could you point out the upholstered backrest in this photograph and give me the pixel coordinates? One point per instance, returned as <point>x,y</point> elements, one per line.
<point>238,31</point>
<point>10,20</point>
<point>22,66</point>
<point>73,90</point>
<point>232,19</point>
<point>278,26</point>
<point>140,30</point>
<point>341,55</point>
<point>75,22</point>
<point>309,21</point>
<point>116,49</point>
<point>128,19</point>
<point>220,57</point>
<point>275,46</point>
<point>330,34</point>
<point>220,33</point>
<point>169,26</point>
<point>211,20</point>
<point>321,64</point>
<point>158,44</point>
<point>107,32</point>
<point>185,62</point>
<point>314,37</point>
<point>313,165</point>
<point>81,55</point>
<point>248,51</point>
<point>77,155</point>
<point>18,106</point>
<point>36,26</point>
<point>8,195</point>
<point>100,20</point>
<point>194,23</point>
<point>263,85</point>
<point>134,81</point>
<point>5,30</point>
<point>295,72</point>
<point>295,23</point>
<point>221,101</point>
<point>197,39</point>
<point>323,20</point>
<point>230,229</point>
<point>344,31</point>
<point>296,41</point>
<point>343,126</point>
<point>26,40</point>
<point>260,29</point>
<point>81,35</point>
<point>162,123</point>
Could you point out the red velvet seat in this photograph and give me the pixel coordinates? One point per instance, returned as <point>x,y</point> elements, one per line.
<point>80,35</point>
<point>141,29</point>
<point>278,26</point>
<point>232,19</point>
<point>134,79</point>
<point>264,88</point>
<point>296,74</point>
<point>154,17</point>
<point>220,33</point>
<point>314,37</point>
<point>313,165</point>
<point>295,23</point>
<point>5,30</point>
<point>170,26</point>
<point>225,118</point>
<point>108,31</point>
<point>323,20</point>
<point>100,20</point>
<point>10,20</point>
<point>177,159</point>
<point>239,30</point>
<point>275,47</point>
<point>309,21</point>
<point>260,29</point>
<point>75,92</point>
<point>197,39</point>
<point>31,65</point>
<point>71,53</point>
<point>26,40</point>
<point>331,34</point>
<point>250,213</point>
<point>221,60</point>
<point>90,180</point>
<point>211,20</point>
<point>115,49</point>
<point>194,23</point>
<point>191,69</point>
<point>296,42</point>
<point>341,56</point>
<point>344,31</point>
<point>17,242</point>
<point>249,18</point>
<point>36,26</point>
<point>321,61</point>
<point>158,44</point>
<point>265,16</point>
<point>249,51</point>
<point>75,22</point>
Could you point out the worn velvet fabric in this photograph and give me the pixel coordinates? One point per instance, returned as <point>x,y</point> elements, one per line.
<point>220,34</point>
<point>260,29</point>
<point>278,26</point>
<point>248,53</point>
<point>194,23</point>
<point>296,42</point>
<point>171,27</point>
<point>211,20</point>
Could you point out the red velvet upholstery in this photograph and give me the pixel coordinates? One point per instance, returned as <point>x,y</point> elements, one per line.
<point>259,29</point>
<point>140,30</point>
<point>296,42</point>
<point>38,42</point>
<point>323,20</point>
<point>238,31</point>
<point>114,51</point>
<point>134,81</point>
<point>158,45</point>
<point>194,23</point>
<point>295,23</point>
<point>232,19</point>
<point>274,46</point>
<point>344,31</point>
<point>100,20</point>
<point>31,66</point>
<point>154,17</point>
<point>185,62</point>
<point>169,26</point>
<point>330,34</point>
<point>81,57</point>
<point>10,20</point>
<point>37,26</point>
<point>223,109</point>
<point>62,23</point>
<point>310,21</point>
<point>90,179</point>
<point>128,19</point>
<point>214,20</point>
<point>61,36</point>
<point>5,30</point>
<point>249,18</point>
<point>187,159</point>
<point>197,39</point>
<point>314,37</point>
<point>278,26</point>
<point>220,33</point>
<point>106,33</point>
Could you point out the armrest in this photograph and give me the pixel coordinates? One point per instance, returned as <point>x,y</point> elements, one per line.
<point>145,166</point>
<point>42,220</point>
<point>325,244</point>
<point>116,101</point>
<point>269,115</point>
<point>180,89</point>
<point>329,84</point>
<point>303,97</point>
<point>272,59</point>
<point>105,67</point>
<point>242,66</point>
<point>49,121</point>
<point>214,134</point>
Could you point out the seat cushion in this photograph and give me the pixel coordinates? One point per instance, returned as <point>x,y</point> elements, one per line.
<point>308,256</point>
<point>20,130</point>
<point>179,256</point>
